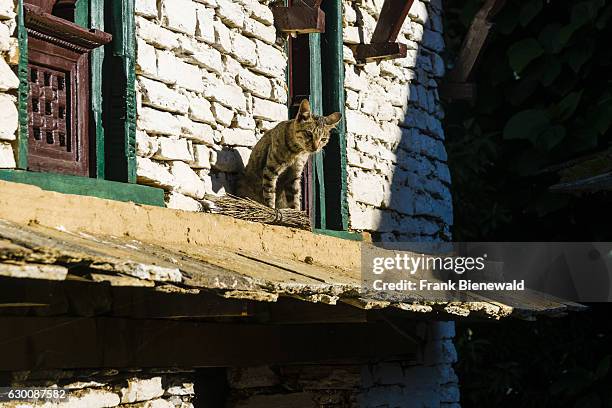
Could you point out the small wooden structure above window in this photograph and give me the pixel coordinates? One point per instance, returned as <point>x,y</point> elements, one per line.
<point>59,87</point>
<point>301,17</point>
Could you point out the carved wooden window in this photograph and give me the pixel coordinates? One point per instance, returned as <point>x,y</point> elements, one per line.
<point>59,139</point>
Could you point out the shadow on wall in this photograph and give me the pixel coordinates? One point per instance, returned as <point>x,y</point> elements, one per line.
<point>399,182</point>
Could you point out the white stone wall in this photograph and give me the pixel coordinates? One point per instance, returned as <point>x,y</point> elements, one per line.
<point>159,388</point>
<point>211,80</point>
<point>398,179</point>
<point>9,83</point>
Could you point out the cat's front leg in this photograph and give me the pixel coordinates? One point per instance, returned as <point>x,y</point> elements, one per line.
<point>270,177</point>
<point>294,193</point>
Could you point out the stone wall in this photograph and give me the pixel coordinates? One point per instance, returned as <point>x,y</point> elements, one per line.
<point>9,83</point>
<point>428,382</point>
<point>211,80</point>
<point>398,180</point>
<point>110,388</point>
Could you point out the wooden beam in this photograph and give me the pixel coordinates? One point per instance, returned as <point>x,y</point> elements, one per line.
<point>299,19</point>
<point>602,182</point>
<point>365,53</point>
<point>474,42</point>
<point>392,17</point>
<point>53,343</point>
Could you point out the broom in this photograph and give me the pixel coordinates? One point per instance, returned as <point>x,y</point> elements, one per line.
<point>250,210</point>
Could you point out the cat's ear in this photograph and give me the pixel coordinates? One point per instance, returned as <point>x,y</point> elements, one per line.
<point>304,111</point>
<point>333,119</point>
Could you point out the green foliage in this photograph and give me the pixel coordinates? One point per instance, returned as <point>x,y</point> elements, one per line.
<point>544,97</point>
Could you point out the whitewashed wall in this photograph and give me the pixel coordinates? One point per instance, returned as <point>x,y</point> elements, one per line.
<point>211,80</point>
<point>9,83</point>
<point>398,179</point>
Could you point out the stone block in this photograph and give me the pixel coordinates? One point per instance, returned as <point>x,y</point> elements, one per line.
<point>198,132</point>
<point>155,34</point>
<point>8,79</point>
<point>265,33</point>
<point>223,115</point>
<point>173,149</point>
<point>223,41</point>
<point>230,96</point>
<point>269,110</point>
<point>141,390</point>
<point>179,201</point>
<point>238,137</point>
<point>186,180</point>
<point>201,157</point>
<point>7,158</point>
<point>258,11</point>
<point>366,188</point>
<point>189,76</point>
<point>166,66</point>
<point>146,59</point>
<point>270,61</point>
<point>145,146</point>
<point>9,117</point>
<point>205,30</point>
<point>244,49</point>
<point>5,37</point>
<point>147,8</point>
<point>153,173</point>
<point>256,84</point>
<point>230,13</point>
<point>7,9</point>
<point>157,122</point>
<point>179,15</point>
<point>158,95</point>
<point>207,57</point>
<point>200,110</point>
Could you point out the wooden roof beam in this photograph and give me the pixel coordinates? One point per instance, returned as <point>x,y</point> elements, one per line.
<point>458,79</point>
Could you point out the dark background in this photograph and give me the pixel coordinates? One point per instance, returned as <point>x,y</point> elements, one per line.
<point>544,103</point>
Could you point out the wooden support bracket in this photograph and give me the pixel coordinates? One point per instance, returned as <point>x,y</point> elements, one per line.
<point>365,53</point>
<point>383,45</point>
<point>299,19</point>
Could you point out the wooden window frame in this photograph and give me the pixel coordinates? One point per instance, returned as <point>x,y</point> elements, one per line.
<point>328,170</point>
<point>115,151</point>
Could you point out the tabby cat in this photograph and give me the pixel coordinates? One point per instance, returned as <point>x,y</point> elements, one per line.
<point>273,174</point>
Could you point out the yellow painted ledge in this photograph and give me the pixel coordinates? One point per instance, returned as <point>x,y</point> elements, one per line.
<point>23,203</point>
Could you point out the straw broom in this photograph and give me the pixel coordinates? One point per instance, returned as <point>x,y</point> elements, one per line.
<point>250,210</point>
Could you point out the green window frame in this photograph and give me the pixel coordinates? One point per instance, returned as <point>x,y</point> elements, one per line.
<point>113,110</point>
<point>328,95</point>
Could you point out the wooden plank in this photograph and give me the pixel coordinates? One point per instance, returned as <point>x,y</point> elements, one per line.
<point>292,311</point>
<point>316,105</point>
<point>602,182</point>
<point>365,53</point>
<point>392,17</point>
<point>26,343</point>
<point>88,299</point>
<point>87,186</point>
<point>299,19</point>
<point>474,42</point>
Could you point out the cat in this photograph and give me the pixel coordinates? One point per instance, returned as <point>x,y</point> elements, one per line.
<point>274,171</point>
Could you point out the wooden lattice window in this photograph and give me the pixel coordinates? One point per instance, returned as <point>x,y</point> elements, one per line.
<point>59,139</point>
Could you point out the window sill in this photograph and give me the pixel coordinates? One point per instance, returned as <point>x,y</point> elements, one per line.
<point>353,236</point>
<point>111,190</point>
